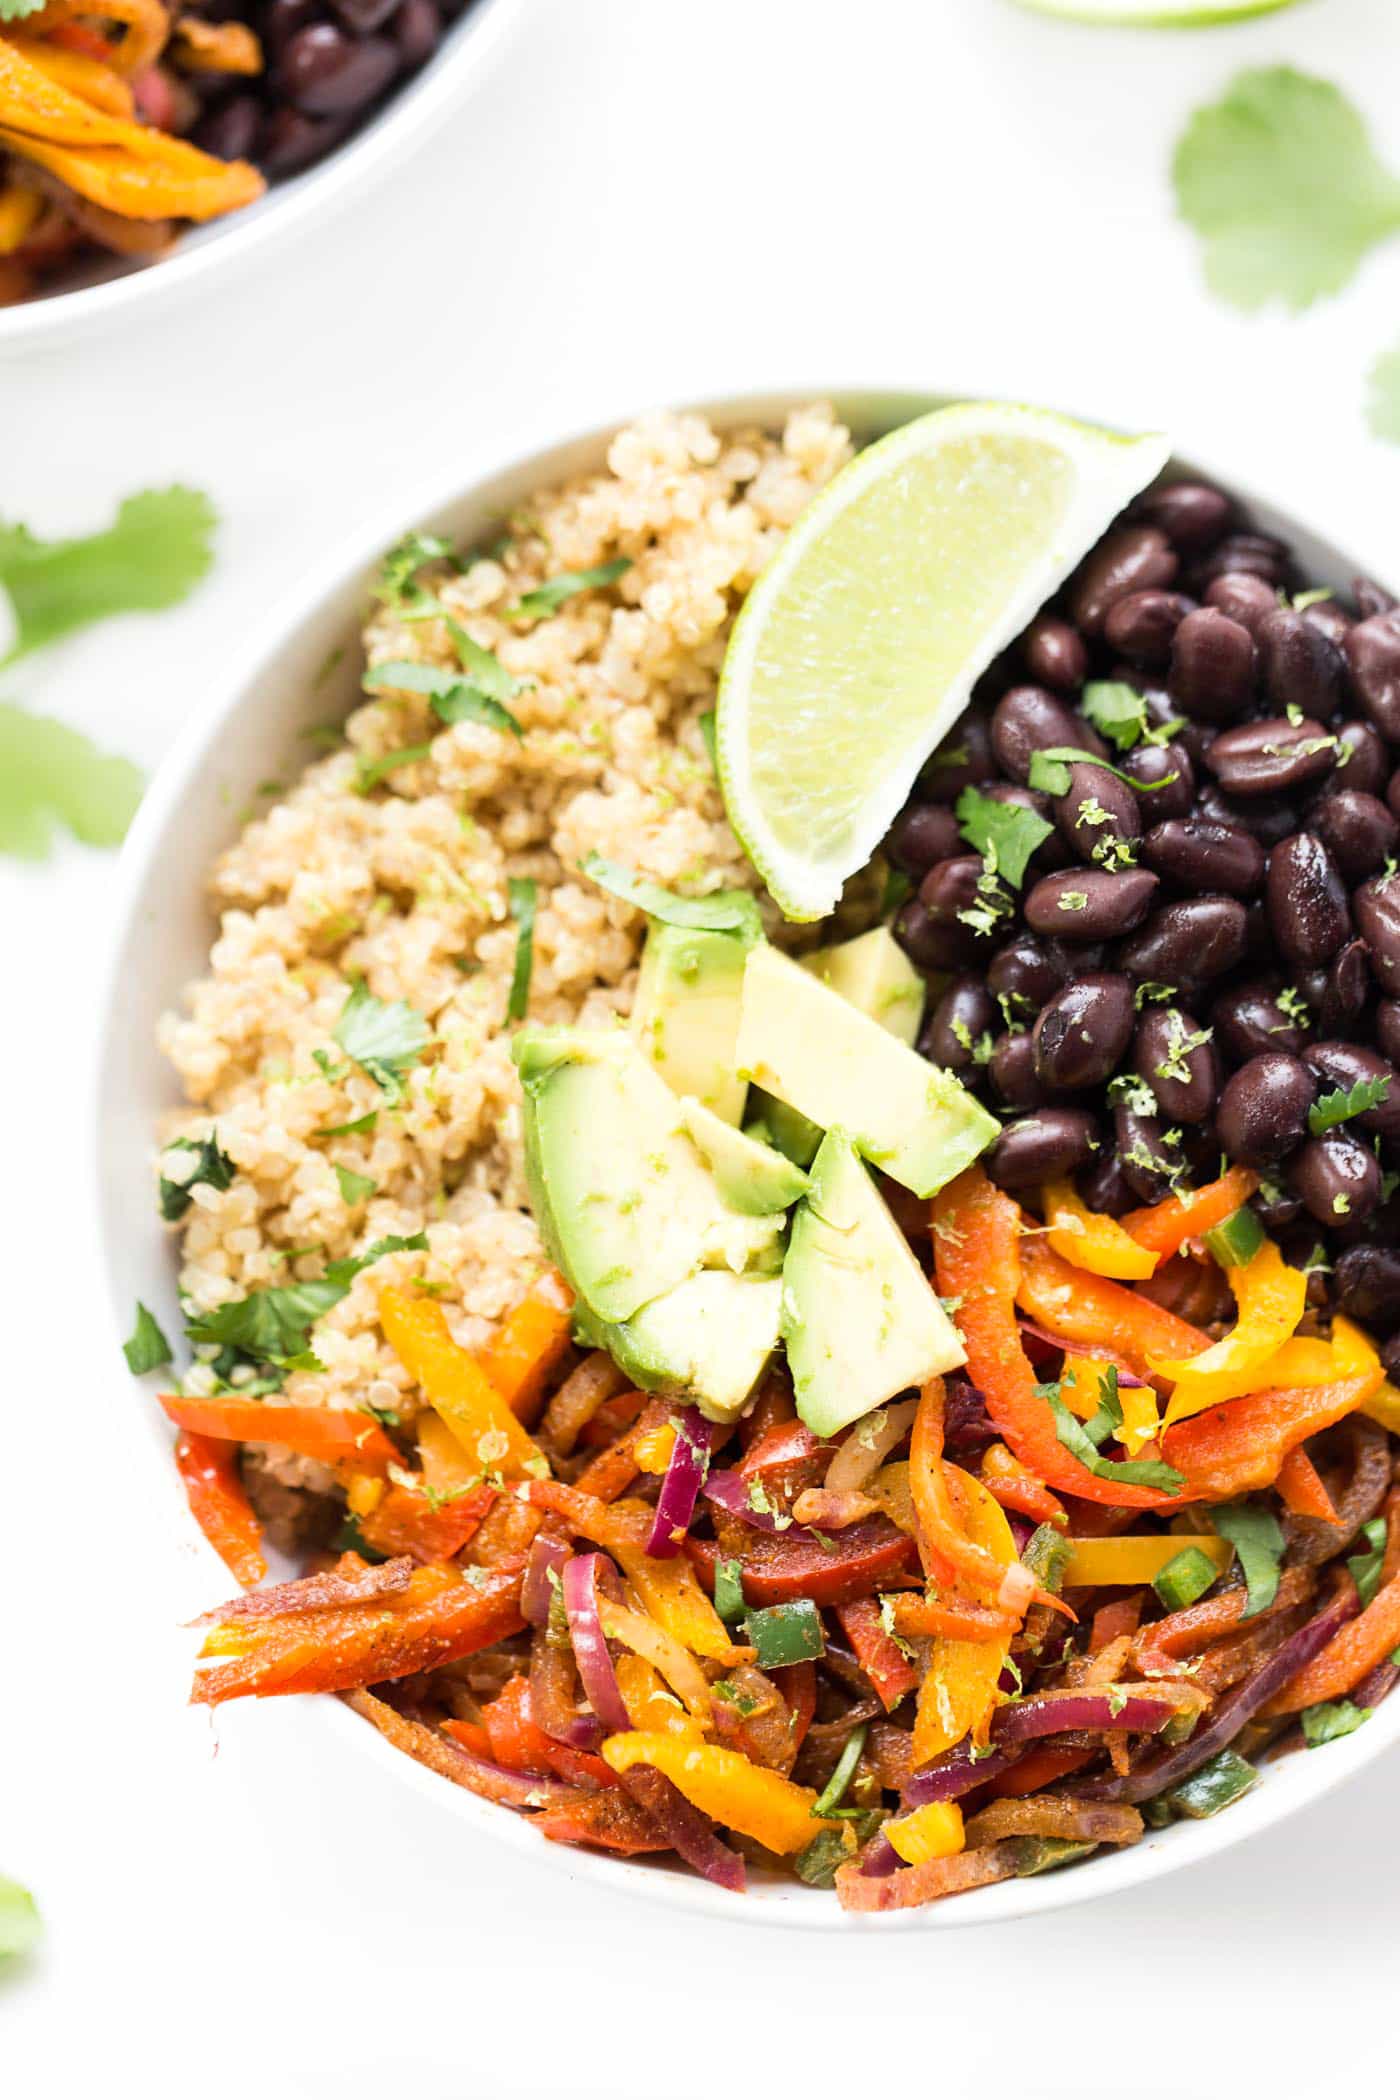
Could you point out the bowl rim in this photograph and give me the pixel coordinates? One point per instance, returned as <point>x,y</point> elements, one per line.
<point>1291,1784</point>
<point>406,119</point>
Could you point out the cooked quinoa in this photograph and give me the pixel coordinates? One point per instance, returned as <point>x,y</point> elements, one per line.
<point>406,888</point>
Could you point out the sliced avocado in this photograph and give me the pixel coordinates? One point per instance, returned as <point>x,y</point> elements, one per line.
<point>861,1321</point>
<point>776,1124</point>
<point>751,1176</point>
<point>802,1041</point>
<point>874,973</point>
<point>621,1195</point>
<point>710,1339</point>
<point>686,1014</point>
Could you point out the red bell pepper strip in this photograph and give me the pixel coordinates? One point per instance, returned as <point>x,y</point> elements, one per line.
<point>776,1568</point>
<point>1080,1308</point>
<point>1004,1476</point>
<point>518,1744</point>
<point>405,1520</point>
<point>219,1505</point>
<point>977,1253</point>
<point>1111,1622</point>
<point>1166,1226</point>
<point>1239,1446</point>
<point>1038,1768</point>
<point>610,1819</point>
<point>884,1662</point>
<point>334,1435</point>
<point>438,1617</point>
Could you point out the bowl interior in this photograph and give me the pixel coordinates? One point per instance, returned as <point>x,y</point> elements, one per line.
<point>303,671</point>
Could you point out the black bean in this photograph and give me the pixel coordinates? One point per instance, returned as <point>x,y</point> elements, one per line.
<point>963,759</point>
<point>1089,904</point>
<point>1097,813</point>
<point>1248,554</point>
<point>1372,652</point>
<point>362,16</point>
<point>1276,1209</point>
<point>1150,1164</point>
<point>1263,1109</point>
<point>1012,1071</point>
<point>290,141</point>
<point>1043,1146</point>
<point>1377,905</point>
<point>1271,757</point>
<point>1338,1178</point>
<point>1030,719</point>
<point>281,19</point>
<point>1243,598</point>
<point>1187,943</point>
<point>1345,988</point>
<point>1345,1065</point>
<point>1248,1021</point>
<point>1212,672</point>
<point>230,131</point>
<point>949,889</point>
<point>1175,1056</point>
<point>1330,619</point>
<point>1267,818</point>
<point>1142,625</point>
<point>329,74</point>
<point>929,945</point>
<point>1025,973</point>
<point>1165,780</point>
<point>417,31</point>
<point>1192,514</point>
<point>1106,1188</point>
<point>1307,900</point>
<point>1258,934</point>
<point>960,1018</point>
<point>1371,598</point>
<point>1358,831</point>
<point>1132,558</point>
<point>1363,763</point>
<point>1300,667</point>
<point>1388,1029</point>
<point>1054,654</point>
<point>1199,855</point>
<point>1368,1286</point>
<point>921,835</point>
<point>1080,1036</point>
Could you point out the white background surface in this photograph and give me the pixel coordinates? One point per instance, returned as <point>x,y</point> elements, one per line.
<point>653,199</point>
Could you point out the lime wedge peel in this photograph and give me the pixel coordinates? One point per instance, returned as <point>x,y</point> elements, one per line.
<point>1154,14</point>
<point>859,645</point>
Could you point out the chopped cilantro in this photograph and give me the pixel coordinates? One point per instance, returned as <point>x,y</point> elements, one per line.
<point>370,773</point>
<point>51,775</point>
<point>707,733</point>
<point>995,903</point>
<point>1323,1724</point>
<point>1257,1538</point>
<point>1343,1103</point>
<point>724,911</point>
<point>1073,900</point>
<point>1180,1046</point>
<point>151,556</point>
<point>478,697</point>
<point>397,585</point>
<point>272,1326</point>
<point>147,1348</point>
<point>1002,832</point>
<point>352,1129</point>
<point>1156,993</point>
<point>523,894</point>
<point>1050,771</point>
<point>1083,1439</point>
<point>549,596</point>
<point>1365,1568</point>
<point>385,1039</point>
<point>212,1167</point>
<point>1119,711</point>
<point>355,1188</point>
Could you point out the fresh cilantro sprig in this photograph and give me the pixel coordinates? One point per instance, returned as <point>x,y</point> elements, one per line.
<point>547,597</point>
<point>397,585</point>
<point>1002,832</point>
<point>147,1348</point>
<point>354,1188</point>
<point>51,776</point>
<point>1083,1440</point>
<point>1257,1537</point>
<point>1365,1568</point>
<point>523,895</point>
<point>151,556</point>
<point>1119,712</point>
<point>723,911</point>
<point>385,1039</point>
<point>1050,771</point>
<point>1342,1103</point>
<point>273,1326</point>
<point>212,1168</point>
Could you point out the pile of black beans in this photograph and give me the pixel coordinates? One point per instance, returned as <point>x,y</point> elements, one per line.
<point>1208,941</point>
<point>327,68</point>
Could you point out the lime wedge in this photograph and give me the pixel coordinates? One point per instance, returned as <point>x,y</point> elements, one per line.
<point>858,646</point>
<point>1156,14</point>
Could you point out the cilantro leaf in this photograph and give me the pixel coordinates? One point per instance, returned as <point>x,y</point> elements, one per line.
<point>1257,1538</point>
<point>369,772</point>
<point>1050,771</point>
<point>1118,710</point>
<point>355,1188</point>
<point>451,697</point>
<point>549,596</point>
<point>523,894</point>
<point>212,1167</point>
<point>386,1040</point>
<point>272,1326</point>
<point>1279,180</point>
<point>52,775</point>
<point>1002,832</point>
<point>147,1348</point>
<point>1323,1724</point>
<point>724,911</point>
<point>708,735</point>
<point>397,585</point>
<point>1383,397</point>
<point>151,556</point>
<point>1342,1103</point>
<point>19,1914</point>
<point>1365,1568</point>
<point>1082,1441</point>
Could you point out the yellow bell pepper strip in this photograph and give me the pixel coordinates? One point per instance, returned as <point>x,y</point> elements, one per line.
<point>1130,1563</point>
<point>82,73</point>
<point>1079,1308</point>
<point>19,213</point>
<point>1350,1655</point>
<point>455,1385</point>
<point>934,1831</point>
<point>725,1785</point>
<point>530,1343</point>
<point>217,47</point>
<point>666,1655</point>
<point>1384,1406</point>
<point>650,1706</point>
<point>1269,1297</point>
<point>146,26</point>
<point>1081,1389</point>
<point>958,1694</point>
<point>1088,1240</point>
<point>1165,1227</point>
<point>653,1451</point>
<point>983,1263</point>
<point>669,1589</point>
<point>1238,1448</point>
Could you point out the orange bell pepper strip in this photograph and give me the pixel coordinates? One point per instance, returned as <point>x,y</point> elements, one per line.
<point>219,1505</point>
<point>85,72</point>
<point>1088,1240</point>
<point>146,25</point>
<point>959,1690</point>
<point>726,1786</point>
<point>1238,1448</point>
<point>1092,1312</point>
<point>529,1344</point>
<point>471,1735</point>
<point>1111,1622</point>
<point>1269,1299</point>
<point>333,1435</point>
<point>1301,1488</point>
<point>978,1256</point>
<point>438,1616</point>
<point>1006,1478</point>
<point>650,1703</point>
<point>518,1744</point>
<point>949,1554</point>
<point>669,1589</point>
<point>934,1831</point>
<point>1164,1227</point>
<point>884,1662</point>
<point>1349,1656</point>
<point>405,1520</point>
<point>457,1387</point>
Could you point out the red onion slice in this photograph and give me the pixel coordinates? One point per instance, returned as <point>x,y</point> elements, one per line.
<point>595,1665</point>
<point>955,1773</point>
<point>685,1829</point>
<point>684,1476</point>
<point>547,1552</point>
<point>731,1491</point>
<point>1052,1713</point>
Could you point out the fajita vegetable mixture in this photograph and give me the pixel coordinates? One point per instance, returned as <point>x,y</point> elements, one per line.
<point>879,1373</point>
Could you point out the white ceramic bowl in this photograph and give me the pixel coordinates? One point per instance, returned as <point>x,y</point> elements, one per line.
<point>109,287</point>
<point>249,733</point>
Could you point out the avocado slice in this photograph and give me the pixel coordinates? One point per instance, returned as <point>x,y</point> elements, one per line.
<point>750,1175</point>
<point>625,1203</point>
<point>861,1321</point>
<point>686,1013</point>
<point>802,1041</point>
<point>874,973</point>
<point>774,1123</point>
<point>710,1339</point>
